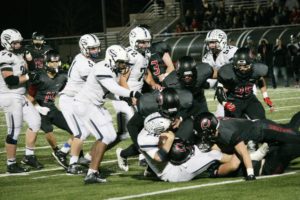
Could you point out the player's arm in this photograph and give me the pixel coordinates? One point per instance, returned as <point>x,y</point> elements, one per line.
<point>166,140</point>
<point>263,88</point>
<point>222,98</point>
<point>241,149</point>
<point>123,79</point>
<point>169,64</point>
<point>215,74</point>
<point>150,81</point>
<point>12,80</point>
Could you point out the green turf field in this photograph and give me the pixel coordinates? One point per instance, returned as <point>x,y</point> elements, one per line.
<point>53,183</point>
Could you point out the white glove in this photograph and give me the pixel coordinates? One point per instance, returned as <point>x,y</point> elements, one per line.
<point>42,110</point>
<point>260,153</point>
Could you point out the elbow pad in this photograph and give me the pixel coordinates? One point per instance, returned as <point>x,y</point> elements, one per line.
<point>12,80</point>
<point>221,95</point>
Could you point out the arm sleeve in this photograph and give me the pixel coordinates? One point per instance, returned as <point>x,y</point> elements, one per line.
<point>110,84</point>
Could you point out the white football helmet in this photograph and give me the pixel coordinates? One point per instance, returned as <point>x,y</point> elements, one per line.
<point>139,35</point>
<point>88,41</point>
<point>156,123</point>
<point>116,55</point>
<point>9,36</point>
<point>218,36</point>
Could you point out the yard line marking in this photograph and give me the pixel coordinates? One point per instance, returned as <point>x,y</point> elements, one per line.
<point>279,99</point>
<point>59,168</point>
<point>40,177</point>
<point>193,187</point>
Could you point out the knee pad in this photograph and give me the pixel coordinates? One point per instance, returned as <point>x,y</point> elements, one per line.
<point>10,140</point>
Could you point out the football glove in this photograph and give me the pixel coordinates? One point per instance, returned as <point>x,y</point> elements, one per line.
<point>42,110</point>
<point>268,101</point>
<point>229,106</point>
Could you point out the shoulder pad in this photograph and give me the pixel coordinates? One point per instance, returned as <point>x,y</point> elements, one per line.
<point>226,74</point>
<point>171,80</point>
<point>161,47</point>
<point>259,70</point>
<point>204,71</point>
<point>147,103</point>
<point>6,57</point>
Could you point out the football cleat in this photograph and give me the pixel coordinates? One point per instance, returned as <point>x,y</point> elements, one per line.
<point>61,158</point>
<point>84,162</point>
<point>32,161</point>
<point>76,168</point>
<point>122,162</point>
<point>149,172</point>
<point>94,178</point>
<point>15,168</point>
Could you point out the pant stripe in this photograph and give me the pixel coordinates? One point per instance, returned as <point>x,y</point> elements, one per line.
<point>98,131</point>
<point>78,127</point>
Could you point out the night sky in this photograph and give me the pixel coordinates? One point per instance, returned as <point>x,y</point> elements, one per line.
<point>56,18</point>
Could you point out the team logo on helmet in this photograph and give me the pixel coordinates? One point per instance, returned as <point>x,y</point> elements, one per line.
<point>205,124</point>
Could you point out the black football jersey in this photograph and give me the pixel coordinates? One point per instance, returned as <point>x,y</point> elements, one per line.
<point>240,87</point>
<point>47,88</point>
<point>38,54</point>
<point>156,64</point>
<point>234,130</point>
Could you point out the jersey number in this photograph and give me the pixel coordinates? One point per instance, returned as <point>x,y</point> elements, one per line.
<point>142,70</point>
<point>156,68</point>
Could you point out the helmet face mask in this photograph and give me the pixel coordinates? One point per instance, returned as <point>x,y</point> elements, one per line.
<point>38,40</point>
<point>90,45</point>
<point>168,103</point>
<point>216,40</point>
<point>186,71</point>
<point>11,39</point>
<point>140,39</point>
<point>52,61</point>
<point>242,63</point>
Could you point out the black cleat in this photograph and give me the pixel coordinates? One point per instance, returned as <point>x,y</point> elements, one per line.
<point>32,161</point>
<point>61,158</point>
<point>94,178</point>
<point>76,169</point>
<point>15,168</point>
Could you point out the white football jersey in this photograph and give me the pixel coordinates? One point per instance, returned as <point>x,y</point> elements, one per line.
<point>100,82</point>
<point>18,66</point>
<point>223,58</point>
<point>77,74</point>
<point>148,142</point>
<point>138,69</point>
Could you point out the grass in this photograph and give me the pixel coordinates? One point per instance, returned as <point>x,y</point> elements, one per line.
<point>53,183</point>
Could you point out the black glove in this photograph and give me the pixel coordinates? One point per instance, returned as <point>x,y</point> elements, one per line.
<point>135,94</point>
<point>33,76</point>
<point>250,177</point>
<point>127,100</point>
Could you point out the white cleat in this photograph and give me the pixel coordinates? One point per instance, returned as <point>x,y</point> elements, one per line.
<point>122,162</point>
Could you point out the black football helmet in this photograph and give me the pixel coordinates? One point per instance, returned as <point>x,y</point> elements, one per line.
<point>186,70</point>
<point>242,62</point>
<point>205,125</point>
<point>38,39</point>
<point>52,61</point>
<point>168,103</point>
<point>180,151</point>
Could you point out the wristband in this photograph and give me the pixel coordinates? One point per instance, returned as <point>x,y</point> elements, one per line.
<point>265,94</point>
<point>26,77</point>
<point>250,171</point>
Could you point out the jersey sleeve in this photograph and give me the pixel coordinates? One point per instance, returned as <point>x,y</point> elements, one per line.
<point>226,75</point>
<point>85,66</point>
<point>162,48</point>
<point>259,70</point>
<point>6,59</point>
<point>204,72</point>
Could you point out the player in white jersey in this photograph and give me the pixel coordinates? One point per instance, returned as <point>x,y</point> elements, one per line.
<point>14,103</point>
<point>170,158</point>
<point>78,72</point>
<point>139,56</point>
<point>88,105</point>
<point>218,54</point>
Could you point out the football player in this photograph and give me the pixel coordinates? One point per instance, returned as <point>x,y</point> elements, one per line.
<point>88,105</point>
<point>37,50</point>
<point>218,54</point>
<point>172,159</point>
<point>294,54</point>
<point>80,68</point>
<point>43,91</point>
<point>231,135</point>
<point>17,107</point>
<point>238,79</point>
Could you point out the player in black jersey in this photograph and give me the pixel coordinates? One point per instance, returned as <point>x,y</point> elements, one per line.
<point>37,50</point>
<point>44,89</point>
<point>231,134</point>
<point>236,89</point>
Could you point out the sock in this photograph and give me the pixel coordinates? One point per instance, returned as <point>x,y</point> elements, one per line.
<point>11,161</point>
<point>29,151</point>
<point>73,159</point>
<point>92,171</point>
<point>88,156</point>
<point>66,148</point>
<point>130,151</point>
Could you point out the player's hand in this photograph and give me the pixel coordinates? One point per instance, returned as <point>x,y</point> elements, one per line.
<point>42,110</point>
<point>156,87</point>
<point>176,123</point>
<point>229,106</point>
<point>268,101</point>
<point>133,101</point>
<point>250,177</point>
<point>28,56</point>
